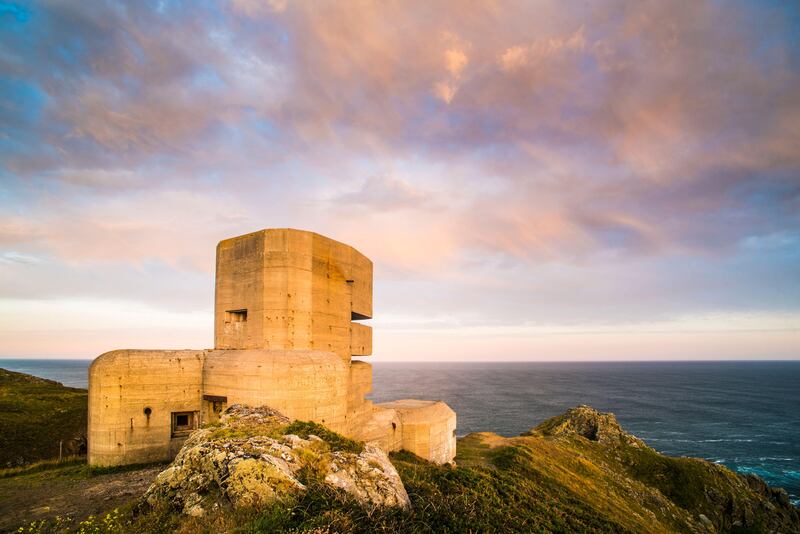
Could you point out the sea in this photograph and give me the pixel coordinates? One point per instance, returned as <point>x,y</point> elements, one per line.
<point>744,414</point>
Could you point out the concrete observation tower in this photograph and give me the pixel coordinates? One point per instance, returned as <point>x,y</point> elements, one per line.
<point>287,318</point>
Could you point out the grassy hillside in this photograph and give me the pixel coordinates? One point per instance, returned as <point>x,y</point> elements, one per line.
<point>579,472</point>
<point>35,415</point>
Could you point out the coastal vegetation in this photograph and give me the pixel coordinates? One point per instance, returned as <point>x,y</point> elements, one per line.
<point>578,472</point>
<point>40,419</point>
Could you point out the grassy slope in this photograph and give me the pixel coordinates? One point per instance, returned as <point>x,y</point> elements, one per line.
<point>533,483</point>
<point>35,414</point>
<point>500,485</point>
<point>546,481</point>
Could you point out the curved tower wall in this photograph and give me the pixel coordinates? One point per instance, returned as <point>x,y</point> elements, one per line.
<point>132,396</point>
<point>428,428</point>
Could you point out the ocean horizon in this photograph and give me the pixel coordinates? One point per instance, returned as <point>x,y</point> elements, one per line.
<point>742,414</point>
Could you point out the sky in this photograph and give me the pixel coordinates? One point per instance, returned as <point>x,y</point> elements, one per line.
<point>534,180</point>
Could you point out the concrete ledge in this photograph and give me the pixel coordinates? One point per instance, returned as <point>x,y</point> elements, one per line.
<point>428,428</point>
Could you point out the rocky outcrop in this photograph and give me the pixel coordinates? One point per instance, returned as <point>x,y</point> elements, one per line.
<point>589,423</point>
<point>716,498</point>
<point>253,458</point>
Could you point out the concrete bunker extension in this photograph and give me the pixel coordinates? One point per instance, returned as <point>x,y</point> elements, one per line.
<point>287,306</point>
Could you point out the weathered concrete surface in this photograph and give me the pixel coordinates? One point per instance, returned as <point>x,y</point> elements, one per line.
<point>300,290</point>
<point>428,428</point>
<point>132,395</point>
<point>303,384</point>
<point>285,331</point>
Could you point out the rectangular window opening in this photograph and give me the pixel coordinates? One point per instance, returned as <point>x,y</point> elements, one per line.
<point>236,316</point>
<point>183,423</point>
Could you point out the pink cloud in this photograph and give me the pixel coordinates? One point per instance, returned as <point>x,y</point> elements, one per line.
<point>469,149</point>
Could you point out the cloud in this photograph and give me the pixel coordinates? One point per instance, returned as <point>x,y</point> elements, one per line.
<point>493,159</point>
<point>167,226</point>
<point>382,193</point>
<point>445,91</point>
<point>256,8</point>
<point>123,84</point>
<point>520,56</point>
<point>11,257</point>
<point>455,61</point>
<point>100,179</point>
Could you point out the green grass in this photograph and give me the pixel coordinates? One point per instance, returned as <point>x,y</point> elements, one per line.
<point>303,429</point>
<point>72,467</point>
<point>526,484</point>
<point>93,470</point>
<point>35,415</point>
<point>532,483</point>
<point>42,465</point>
<point>444,499</point>
<point>335,441</point>
<point>690,483</point>
<point>503,490</point>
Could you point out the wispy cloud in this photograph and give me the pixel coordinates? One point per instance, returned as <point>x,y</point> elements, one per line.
<point>500,161</point>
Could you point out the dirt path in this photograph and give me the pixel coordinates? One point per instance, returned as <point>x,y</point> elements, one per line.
<point>68,491</point>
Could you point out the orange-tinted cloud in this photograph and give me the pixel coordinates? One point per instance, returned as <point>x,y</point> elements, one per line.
<point>492,158</point>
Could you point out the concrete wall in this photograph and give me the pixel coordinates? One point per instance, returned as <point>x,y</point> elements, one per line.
<point>306,385</point>
<point>240,286</point>
<point>122,384</point>
<point>360,339</point>
<point>302,384</point>
<point>428,428</point>
<point>383,428</point>
<point>301,291</point>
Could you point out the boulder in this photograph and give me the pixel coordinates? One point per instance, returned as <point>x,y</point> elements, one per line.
<point>370,477</point>
<point>251,460</point>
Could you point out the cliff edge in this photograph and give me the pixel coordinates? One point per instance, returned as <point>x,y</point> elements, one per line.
<point>577,472</point>
<point>716,498</point>
<point>255,471</point>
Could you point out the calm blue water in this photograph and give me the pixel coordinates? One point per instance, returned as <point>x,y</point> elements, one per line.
<point>745,415</point>
<point>72,373</point>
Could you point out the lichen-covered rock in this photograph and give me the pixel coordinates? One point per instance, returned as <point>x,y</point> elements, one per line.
<point>589,423</point>
<point>250,460</point>
<point>369,477</point>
